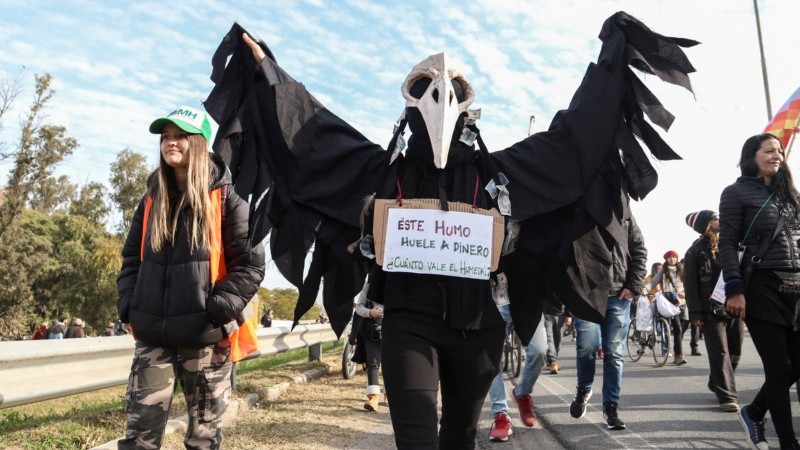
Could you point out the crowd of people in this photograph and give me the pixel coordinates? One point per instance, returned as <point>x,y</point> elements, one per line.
<point>759,289</point>
<point>190,263</point>
<point>58,329</point>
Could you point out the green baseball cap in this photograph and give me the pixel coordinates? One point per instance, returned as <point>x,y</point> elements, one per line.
<point>188,119</point>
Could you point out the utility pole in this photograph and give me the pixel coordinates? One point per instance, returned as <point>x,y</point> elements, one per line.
<point>763,62</point>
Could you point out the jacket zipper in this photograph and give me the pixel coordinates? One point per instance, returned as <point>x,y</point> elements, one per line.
<point>167,288</point>
<point>790,241</point>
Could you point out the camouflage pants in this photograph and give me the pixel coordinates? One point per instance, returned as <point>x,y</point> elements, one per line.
<point>204,374</point>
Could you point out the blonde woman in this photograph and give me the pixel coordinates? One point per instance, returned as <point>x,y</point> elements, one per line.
<point>188,270</point>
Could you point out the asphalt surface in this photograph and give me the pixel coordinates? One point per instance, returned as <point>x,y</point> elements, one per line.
<point>665,407</point>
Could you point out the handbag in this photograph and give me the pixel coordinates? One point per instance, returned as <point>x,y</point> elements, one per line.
<point>665,307</point>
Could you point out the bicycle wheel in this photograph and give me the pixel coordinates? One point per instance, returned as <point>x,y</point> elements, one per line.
<point>661,344</point>
<point>635,349</point>
<point>510,362</point>
<point>516,358</point>
<point>349,368</point>
<point>506,351</point>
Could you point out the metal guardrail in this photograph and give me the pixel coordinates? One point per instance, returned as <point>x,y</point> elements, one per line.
<point>32,371</point>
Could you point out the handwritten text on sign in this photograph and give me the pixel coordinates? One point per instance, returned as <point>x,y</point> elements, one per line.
<point>434,242</point>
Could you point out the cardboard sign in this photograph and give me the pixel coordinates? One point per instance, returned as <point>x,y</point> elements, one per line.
<point>418,237</point>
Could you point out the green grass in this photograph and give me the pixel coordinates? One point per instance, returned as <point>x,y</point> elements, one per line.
<point>273,361</point>
<point>93,418</point>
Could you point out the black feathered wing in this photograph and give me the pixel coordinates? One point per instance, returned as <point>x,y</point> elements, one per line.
<point>282,147</point>
<point>569,185</point>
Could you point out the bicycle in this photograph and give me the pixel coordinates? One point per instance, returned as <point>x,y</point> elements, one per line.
<point>349,368</point>
<point>512,354</point>
<point>657,339</point>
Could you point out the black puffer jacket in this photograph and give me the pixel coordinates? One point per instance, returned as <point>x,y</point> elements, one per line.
<point>739,204</point>
<point>701,272</point>
<point>168,298</point>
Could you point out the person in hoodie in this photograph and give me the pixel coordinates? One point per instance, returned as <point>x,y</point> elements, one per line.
<point>188,271</point>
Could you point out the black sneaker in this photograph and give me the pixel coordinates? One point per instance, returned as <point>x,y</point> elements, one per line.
<point>754,429</point>
<point>578,406</point>
<point>612,419</point>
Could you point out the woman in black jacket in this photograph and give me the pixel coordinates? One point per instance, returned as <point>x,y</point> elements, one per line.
<point>723,333</point>
<point>760,210</point>
<point>188,271</point>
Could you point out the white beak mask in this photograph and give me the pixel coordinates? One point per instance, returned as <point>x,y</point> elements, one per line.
<point>439,105</point>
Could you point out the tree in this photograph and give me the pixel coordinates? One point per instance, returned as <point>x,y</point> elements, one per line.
<point>25,259</point>
<point>282,301</point>
<point>9,89</point>
<point>53,194</point>
<point>129,180</point>
<point>87,261</point>
<point>91,203</point>
<point>41,147</point>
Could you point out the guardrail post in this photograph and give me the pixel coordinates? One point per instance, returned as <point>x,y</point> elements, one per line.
<point>315,352</point>
<point>233,376</point>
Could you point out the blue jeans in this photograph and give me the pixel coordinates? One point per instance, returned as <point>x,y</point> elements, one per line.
<point>611,334</point>
<point>534,361</point>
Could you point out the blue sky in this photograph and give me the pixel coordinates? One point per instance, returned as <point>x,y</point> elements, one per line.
<point>118,65</point>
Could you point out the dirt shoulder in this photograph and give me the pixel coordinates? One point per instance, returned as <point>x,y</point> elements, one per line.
<point>324,414</point>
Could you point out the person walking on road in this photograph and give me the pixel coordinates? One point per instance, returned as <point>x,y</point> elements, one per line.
<point>534,361</point>
<point>368,344</point>
<point>553,318</point>
<point>761,211</point>
<point>723,333</point>
<point>628,268</point>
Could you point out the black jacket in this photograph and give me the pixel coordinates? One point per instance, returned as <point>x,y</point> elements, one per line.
<point>700,277</point>
<point>739,204</point>
<point>629,266</point>
<point>168,298</point>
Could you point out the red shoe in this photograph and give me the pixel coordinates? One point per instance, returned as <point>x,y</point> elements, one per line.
<point>501,428</point>
<point>525,405</point>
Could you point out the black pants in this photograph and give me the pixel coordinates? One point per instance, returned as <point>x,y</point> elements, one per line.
<point>679,327</point>
<point>723,339</point>
<point>779,349</point>
<point>419,353</point>
<point>373,350</point>
<point>694,341</point>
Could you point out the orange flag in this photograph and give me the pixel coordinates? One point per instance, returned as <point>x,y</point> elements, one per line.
<point>786,121</point>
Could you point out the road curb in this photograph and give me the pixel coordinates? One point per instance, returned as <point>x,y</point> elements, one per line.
<point>235,406</point>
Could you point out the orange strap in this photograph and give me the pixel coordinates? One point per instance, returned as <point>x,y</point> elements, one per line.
<point>148,205</point>
<point>216,259</point>
<point>243,340</point>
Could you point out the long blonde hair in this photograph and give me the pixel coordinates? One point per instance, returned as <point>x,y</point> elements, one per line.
<point>713,241</point>
<point>164,220</point>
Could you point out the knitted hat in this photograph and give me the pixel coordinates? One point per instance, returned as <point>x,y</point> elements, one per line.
<point>699,220</point>
<point>671,253</point>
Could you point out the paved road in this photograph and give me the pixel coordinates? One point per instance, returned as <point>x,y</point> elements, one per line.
<point>666,407</point>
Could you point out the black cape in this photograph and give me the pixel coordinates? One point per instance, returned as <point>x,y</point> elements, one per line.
<point>307,172</point>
